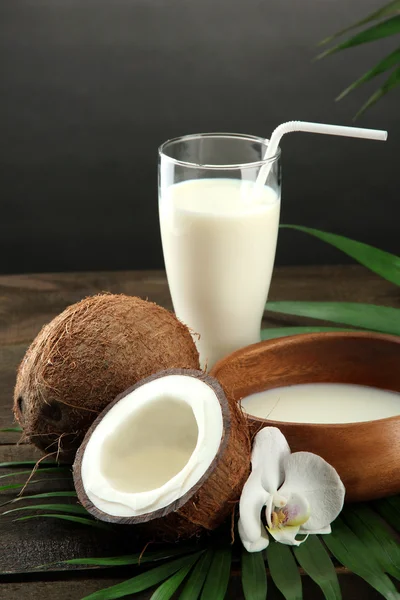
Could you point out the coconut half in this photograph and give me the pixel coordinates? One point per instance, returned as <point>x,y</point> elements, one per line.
<point>170,451</point>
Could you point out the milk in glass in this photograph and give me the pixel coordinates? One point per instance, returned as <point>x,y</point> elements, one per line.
<point>219,239</point>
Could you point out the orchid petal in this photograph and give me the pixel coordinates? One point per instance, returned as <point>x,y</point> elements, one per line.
<point>260,544</point>
<point>286,535</point>
<point>268,510</point>
<point>297,510</point>
<point>287,520</point>
<point>321,531</point>
<point>315,479</point>
<point>298,542</point>
<point>252,500</point>
<point>270,449</point>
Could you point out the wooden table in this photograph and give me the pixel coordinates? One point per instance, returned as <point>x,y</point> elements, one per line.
<point>29,301</point>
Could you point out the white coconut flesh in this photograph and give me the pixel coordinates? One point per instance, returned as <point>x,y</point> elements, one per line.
<point>152,446</point>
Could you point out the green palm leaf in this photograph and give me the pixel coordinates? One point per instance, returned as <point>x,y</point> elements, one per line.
<point>18,486</point>
<point>43,495</point>
<point>393,8</point>
<point>278,332</point>
<point>367,316</point>
<point>79,520</point>
<point>217,579</point>
<point>369,528</point>
<point>49,470</point>
<point>383,263</point>
<point>68,508</point>
<point>194,584</point>
<point>351,552</point>
<point>169,587</point>
<point>143,581</point>
<point>316,562</point>
<point>384,65</point>
<point>388,511</point>
<point>395,501</point>
<point>376,32</point>
<point>29,463</point>
<point>254,576</point>
<point>392,82</point>
<point>46,495</point>
<point>132,559</point>
<point>284,571</point>
<point>15,486</point>
<point>11,430</point>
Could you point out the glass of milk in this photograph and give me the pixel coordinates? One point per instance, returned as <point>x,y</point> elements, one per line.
<point>219,231</point>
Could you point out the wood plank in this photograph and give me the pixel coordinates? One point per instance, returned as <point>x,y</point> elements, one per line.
<point>61,590</point>
<point>27,302</point>
<point>46,541</point>
<point>19,452</point>
<point>77,587</point>
<point>10,357</point>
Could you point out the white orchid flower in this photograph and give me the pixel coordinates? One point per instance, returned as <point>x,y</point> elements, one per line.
<point>301,493</point>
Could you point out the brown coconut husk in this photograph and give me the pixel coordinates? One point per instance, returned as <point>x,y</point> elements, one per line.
<point>85,357</point>
<point>212,499</point>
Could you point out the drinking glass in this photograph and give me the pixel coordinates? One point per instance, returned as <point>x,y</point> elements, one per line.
<point>219,229</point>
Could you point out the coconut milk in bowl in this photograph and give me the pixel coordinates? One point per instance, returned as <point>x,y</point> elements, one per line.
<point>336,394</point>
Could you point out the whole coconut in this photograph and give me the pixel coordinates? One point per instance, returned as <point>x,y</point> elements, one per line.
<point>85,357</point>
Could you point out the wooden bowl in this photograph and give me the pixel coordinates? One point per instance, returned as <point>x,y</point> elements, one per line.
<point>367,454</point>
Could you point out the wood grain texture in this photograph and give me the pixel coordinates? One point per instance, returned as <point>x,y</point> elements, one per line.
<point>367,454</point>
<point>19,452</point>
<point>26,545</point>
<point>75,588</point>
<point>62,590</point>
<point>28,302</point>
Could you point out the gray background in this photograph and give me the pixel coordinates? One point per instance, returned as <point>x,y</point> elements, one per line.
<point>90,88</point>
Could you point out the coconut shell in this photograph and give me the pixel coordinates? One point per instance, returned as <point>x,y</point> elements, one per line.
<point>212,499</point>
<point>88,355</point>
